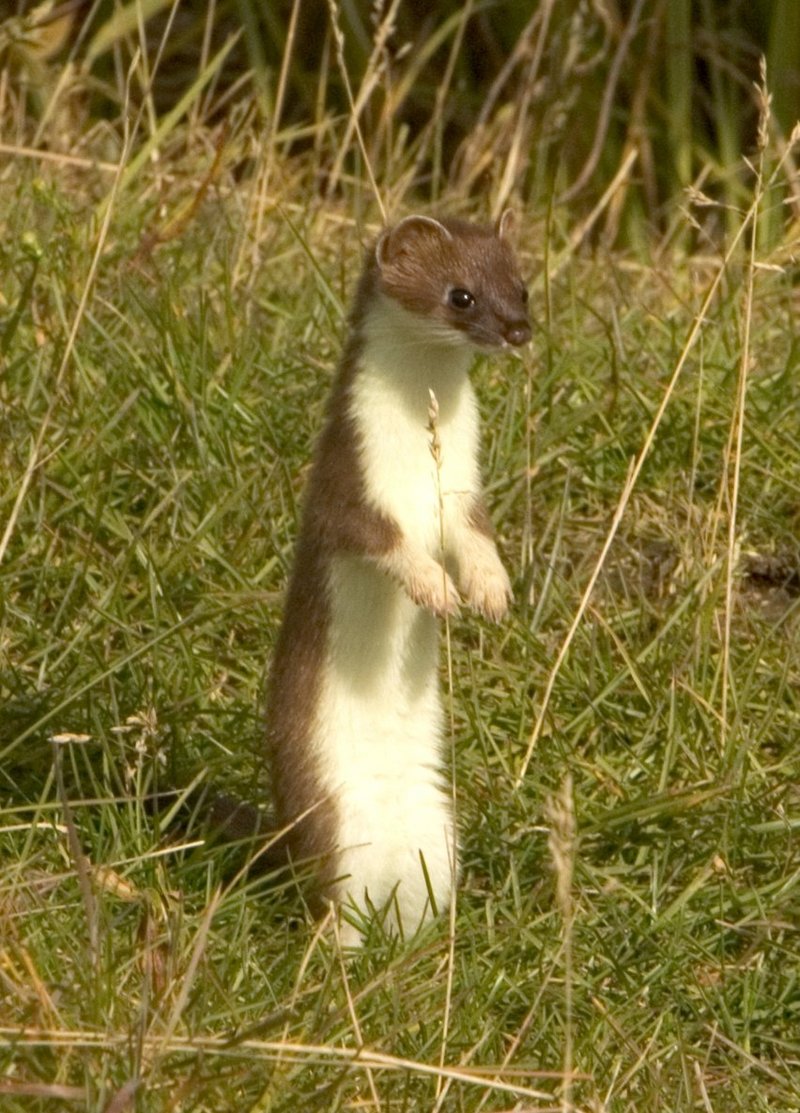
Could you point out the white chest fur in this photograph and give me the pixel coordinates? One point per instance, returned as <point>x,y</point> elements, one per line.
<point>391,406</point>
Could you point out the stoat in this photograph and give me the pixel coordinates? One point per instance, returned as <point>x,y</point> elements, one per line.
<point>354,712</point>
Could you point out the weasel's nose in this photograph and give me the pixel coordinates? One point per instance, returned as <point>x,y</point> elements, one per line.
<point>517,333</point>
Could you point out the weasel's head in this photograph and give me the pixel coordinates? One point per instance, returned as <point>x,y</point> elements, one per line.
<point>461,280</point>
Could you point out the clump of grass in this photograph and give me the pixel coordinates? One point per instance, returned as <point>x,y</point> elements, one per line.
<point>570,106</point>
<point>168,327</point>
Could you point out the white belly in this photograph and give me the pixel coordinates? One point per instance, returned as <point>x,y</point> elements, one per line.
<point>378,737</point>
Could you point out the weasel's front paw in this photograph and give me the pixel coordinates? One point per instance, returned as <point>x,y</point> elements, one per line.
<point>430,587</point>
<point>423,579</point>
<point>487,588</point>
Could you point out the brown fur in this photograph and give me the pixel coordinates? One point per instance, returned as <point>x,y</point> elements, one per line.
<point>479,518</point>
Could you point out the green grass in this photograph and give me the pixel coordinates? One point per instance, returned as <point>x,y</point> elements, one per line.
<point>141,589</point>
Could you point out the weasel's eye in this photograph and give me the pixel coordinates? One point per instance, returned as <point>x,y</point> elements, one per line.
<point>461,299</point>
<point>524,293</point>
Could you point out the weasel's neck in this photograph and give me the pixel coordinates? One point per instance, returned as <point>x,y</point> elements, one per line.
<point>409,358</point>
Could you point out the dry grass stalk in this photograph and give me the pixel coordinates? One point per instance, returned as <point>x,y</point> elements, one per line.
<point>443,1085</point>
<point>369,83</point>
<point>561,842</point>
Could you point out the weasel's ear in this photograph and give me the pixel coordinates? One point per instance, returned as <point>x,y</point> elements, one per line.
<point>405,236</point>
<point>507,226</point>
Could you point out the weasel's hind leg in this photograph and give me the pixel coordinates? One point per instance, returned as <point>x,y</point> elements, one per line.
<point>404,872</point>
